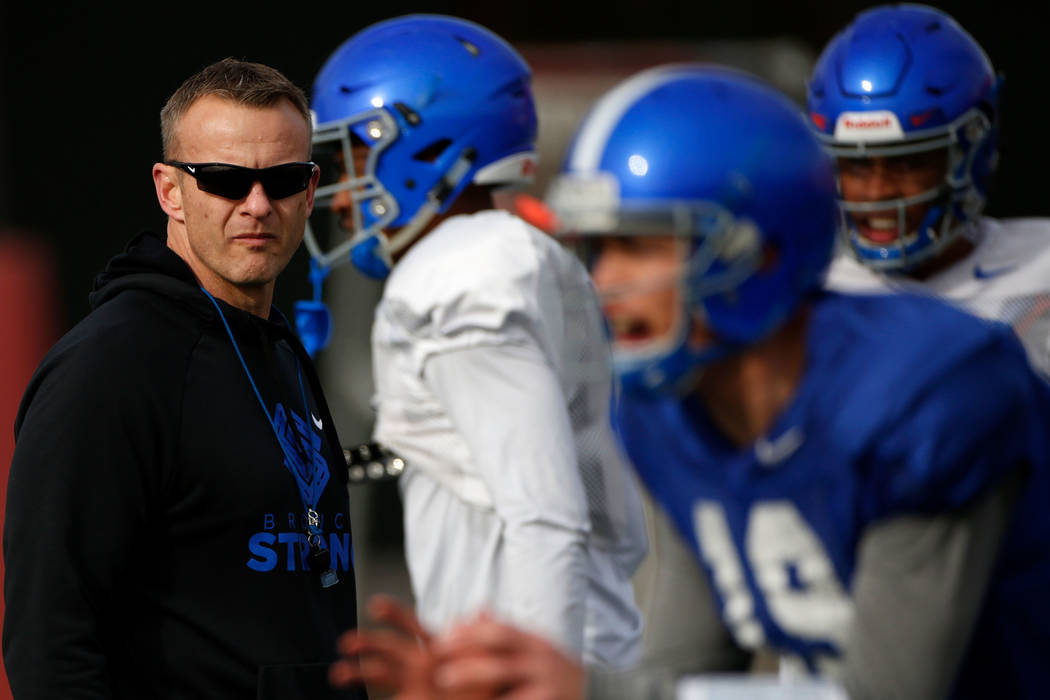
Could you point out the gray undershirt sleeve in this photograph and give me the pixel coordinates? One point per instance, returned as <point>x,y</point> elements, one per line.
<point>684,633</point>
<point>918,591</point>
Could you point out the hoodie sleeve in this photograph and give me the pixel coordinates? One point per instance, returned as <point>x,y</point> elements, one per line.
<point>90,446</point>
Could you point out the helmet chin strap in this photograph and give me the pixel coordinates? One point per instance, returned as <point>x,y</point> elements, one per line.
<point>408,233</point>
<point>671,365</point>
<point>436,198</point>
<point>337,255</point>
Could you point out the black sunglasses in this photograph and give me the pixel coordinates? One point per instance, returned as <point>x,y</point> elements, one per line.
<point>235,181</point>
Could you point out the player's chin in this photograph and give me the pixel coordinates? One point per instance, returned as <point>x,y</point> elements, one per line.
<point>634,344</point>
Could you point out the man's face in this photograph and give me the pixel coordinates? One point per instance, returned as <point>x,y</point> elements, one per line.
<point>895,177</point>
<point>241,243</point>
<point>638,281</point>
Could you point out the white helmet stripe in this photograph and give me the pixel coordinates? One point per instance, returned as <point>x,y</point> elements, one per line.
<point>606,114</point>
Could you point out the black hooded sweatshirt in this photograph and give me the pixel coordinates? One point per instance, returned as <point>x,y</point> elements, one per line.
<point>154,533</point>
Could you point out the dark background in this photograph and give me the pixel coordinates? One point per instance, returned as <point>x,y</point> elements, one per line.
<point>81,87</point>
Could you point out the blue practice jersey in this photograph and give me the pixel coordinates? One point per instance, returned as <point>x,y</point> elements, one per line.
<point>906,407</point>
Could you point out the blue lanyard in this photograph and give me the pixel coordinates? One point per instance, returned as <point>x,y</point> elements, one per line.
<point>296,460</point>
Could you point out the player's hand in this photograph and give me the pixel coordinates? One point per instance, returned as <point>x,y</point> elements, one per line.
<point>397,658</point>
<point>486,658</point>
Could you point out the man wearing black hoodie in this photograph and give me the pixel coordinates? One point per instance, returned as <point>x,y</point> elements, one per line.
<point>177,517</point>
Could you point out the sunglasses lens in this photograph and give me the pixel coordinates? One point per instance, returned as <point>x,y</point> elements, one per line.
<point>233,182</point>
<point>285,180</point>
<point>224,180</point>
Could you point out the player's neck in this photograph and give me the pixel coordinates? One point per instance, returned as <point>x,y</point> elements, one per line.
<point>745,394</point>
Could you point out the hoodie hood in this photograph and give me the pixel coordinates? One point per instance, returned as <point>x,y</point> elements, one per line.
<point>146,263</point>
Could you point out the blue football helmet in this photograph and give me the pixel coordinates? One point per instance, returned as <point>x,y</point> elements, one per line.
<point>715,157</point>
<point>440,103</point>
<point>900,80</point>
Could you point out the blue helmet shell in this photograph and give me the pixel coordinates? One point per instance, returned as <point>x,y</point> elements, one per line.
<point>902,79</point>
<point>442,102</point>
<point>719,158</point>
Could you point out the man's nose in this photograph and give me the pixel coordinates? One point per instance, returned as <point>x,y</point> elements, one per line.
<point>257,202</point>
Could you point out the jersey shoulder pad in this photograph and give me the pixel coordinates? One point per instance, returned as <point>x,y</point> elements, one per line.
<point>954,408</point>
<point>487,278</point>
<point>847,274</point>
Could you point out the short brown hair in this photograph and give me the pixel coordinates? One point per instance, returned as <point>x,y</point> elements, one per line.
<point>243,82</point>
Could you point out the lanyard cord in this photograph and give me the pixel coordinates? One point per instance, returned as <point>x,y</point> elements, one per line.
<point>298,369</point>
<point>319,558</point>
<point>240,357</point>
<point>311,513</point>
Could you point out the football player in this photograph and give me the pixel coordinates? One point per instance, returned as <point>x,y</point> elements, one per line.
<point>491,370</point>
<point>862,478</point>
<point>907,102</point>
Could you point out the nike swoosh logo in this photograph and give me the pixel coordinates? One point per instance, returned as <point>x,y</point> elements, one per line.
<point>191,169</point>
<point>983,273</point>
<point>771,452</point>
<point>317,422</point>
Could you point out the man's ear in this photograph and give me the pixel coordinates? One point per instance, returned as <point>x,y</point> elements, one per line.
<point>169,190</point>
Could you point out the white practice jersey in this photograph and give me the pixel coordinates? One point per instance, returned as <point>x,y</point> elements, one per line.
<point>1006,278</point>
<point>493,382</point>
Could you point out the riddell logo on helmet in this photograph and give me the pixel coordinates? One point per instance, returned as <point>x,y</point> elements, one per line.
<point>879,125</point>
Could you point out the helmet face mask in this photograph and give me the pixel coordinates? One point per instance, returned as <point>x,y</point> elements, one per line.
<point>660,334</point>
<point>370,207</point>
<point>947,208</point>
<point>900,81</point>
<point>721,173</point>
<point>641,282</point>
<point>441,103</point>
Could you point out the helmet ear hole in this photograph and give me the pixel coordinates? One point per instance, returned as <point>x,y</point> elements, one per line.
<point>431,153</point>
<point>409,114</point>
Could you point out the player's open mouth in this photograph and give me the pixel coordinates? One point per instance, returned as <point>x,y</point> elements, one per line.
<point>879,229</point>
<point>630,330</point>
